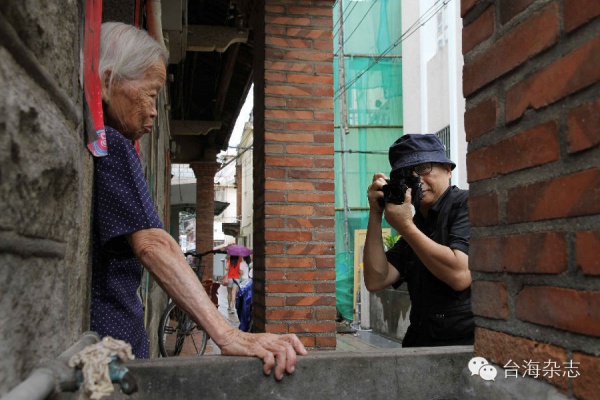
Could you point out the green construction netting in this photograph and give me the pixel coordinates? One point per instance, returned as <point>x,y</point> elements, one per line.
<point>373,92</point>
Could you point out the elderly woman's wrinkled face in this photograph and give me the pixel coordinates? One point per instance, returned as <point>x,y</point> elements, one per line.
<point>130,105</point>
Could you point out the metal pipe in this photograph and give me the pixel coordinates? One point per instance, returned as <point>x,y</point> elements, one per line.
<point>52,375</point>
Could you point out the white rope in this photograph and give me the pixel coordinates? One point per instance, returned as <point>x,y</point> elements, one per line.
<point>94,361</point>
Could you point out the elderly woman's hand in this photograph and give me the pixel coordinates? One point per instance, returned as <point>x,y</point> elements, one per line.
<point>277,351</point>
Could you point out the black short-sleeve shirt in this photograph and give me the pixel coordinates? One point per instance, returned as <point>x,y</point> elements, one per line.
<point>448,225</point>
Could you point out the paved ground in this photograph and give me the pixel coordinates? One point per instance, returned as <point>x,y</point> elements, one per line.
<point>351,341</point>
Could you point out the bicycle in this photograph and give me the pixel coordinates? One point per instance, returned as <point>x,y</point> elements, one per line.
<point>178,334</point>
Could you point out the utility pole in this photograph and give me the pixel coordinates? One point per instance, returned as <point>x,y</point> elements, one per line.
<point>343,123</point>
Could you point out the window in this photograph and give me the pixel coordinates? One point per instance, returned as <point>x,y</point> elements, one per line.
<point>444,136</point>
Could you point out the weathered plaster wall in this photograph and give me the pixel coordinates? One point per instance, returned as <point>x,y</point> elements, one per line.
<point>45,185</point>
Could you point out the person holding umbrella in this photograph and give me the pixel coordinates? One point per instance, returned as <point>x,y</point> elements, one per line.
<point>235,252</point>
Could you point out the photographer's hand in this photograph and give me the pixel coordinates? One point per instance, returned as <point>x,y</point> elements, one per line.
<point>400,216</point>
<point>374,192</point>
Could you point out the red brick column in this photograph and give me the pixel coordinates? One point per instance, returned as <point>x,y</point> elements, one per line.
<point>532,84</point>
<point>205,211</point>
<point>294,278</point>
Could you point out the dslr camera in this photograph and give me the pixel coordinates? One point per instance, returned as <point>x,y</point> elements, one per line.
<point>397,186</point>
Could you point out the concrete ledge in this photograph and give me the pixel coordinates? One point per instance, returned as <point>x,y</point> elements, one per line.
<point>423,373</point>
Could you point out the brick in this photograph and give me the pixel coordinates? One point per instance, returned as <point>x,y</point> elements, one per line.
<point>325,138</point>
<point>276,328</point>
<point>536,146</point>
<point>325,287</point>
<point>324,163</point>
<point>478,30</point>
<point>326,262</point>
<point>314,301</point>
<point>568,309</point>
<point>309,55</point>
<point>281,236</point>
<point>285,20</point>
<point>533,35</point>
<point>311,249</point>
<point>285,66</point>
<point>312,79</point>
<point>312,328</point>
<point>549,84</point>
<point>275,301</point>
<point>274,249</point>
<point>326,341</point>
<point>312,150</point>
<point>289,210</point>
<point>287,90</point>
<point>582,127</point>
<point>579,12</point>
<point>289,43</point>
<point>274,223</point>
<point>274,9</point>
<point>289,288</point>
<point>289,137</point>
<point>289,114</point>
<point>274,125</point>
<point>283,262</point>
<point>274,77</point>
<point>324,236</point>
<point>309,33</point>
<point>289,185</point>
<point>326,314</point>
<point>274,197</point>
<point>283,314</point>
<point>311,223</point>
<point>325,91</point>
<point>308,341</point>
<point>325,186</point>
<point>500,348</point>
<point>311,198</point>
<point>481,118</point>
<point>587,244</point>
<point>310,103</point>
<point>586,385</point>
<point>312,11</point>
<point>317,275</point>
<point>466,6</point>
<point>511,8</point>
<point>288,161</point>
<point>324,116</point>
<point>533,253</point>
<point>490,299</point>
<point>483,209</point>
<point>309,126</point>
<point>566,196</point>
<point>275,30</point>
<point>274,148</point>
<point>302,174</point>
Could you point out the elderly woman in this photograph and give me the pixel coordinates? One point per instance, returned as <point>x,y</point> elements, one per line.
<point>127,231</point>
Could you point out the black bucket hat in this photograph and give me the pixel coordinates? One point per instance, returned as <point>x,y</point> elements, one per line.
<point>414,149</point>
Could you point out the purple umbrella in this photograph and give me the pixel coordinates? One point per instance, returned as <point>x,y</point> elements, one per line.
<point>238,250</point>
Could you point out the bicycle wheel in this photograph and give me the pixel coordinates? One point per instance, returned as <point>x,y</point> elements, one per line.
<point>178,335</point>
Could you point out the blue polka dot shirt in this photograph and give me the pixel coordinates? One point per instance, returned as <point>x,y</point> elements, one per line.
<point>122,205</point>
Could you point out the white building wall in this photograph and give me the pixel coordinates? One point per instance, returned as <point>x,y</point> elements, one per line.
<point>432,75</point>
<point>245,160</point>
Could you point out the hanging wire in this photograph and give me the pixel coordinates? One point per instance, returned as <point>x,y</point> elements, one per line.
<point>344,18</point>
<point>347,38</point>
<point>408,33</point>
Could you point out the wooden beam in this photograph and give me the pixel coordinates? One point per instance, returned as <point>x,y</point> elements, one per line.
<point>214,38</point>
<point>193,128</point>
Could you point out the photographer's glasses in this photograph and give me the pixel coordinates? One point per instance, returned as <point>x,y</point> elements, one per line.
<point>423,169</point>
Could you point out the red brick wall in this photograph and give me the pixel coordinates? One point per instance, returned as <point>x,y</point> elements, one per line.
<point>294,278</point>
<point>531,79</point>
<point>205,205</point>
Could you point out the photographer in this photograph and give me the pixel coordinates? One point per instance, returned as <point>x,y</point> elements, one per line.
<point>432,254</point>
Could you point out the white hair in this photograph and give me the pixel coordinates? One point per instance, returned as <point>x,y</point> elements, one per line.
<point>127,51</point>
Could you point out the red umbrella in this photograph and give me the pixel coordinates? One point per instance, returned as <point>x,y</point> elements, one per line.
<point>238,250</point>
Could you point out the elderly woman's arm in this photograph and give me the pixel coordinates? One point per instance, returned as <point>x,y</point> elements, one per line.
<point>162,257</point>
